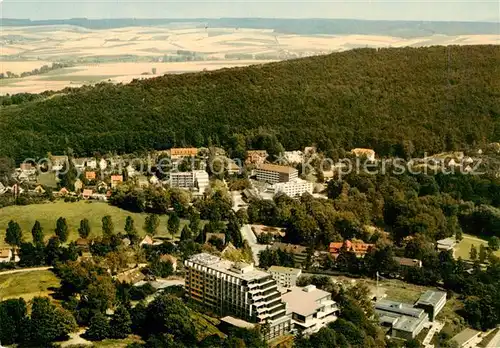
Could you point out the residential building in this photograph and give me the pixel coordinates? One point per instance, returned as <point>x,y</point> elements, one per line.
<point>80,163</point>
<point>131,276</point>
<point>311,308</point>
<point>235,288</point>
<point>232,167</point>
<point>153,180</point>
<point>365,153</point>
<point>39,190</point>
<point>196,180</point>
<point>286,277</point>
<point>63,192</point>
<point>405,321</point>
<point>103,164</point>
<point>142,181</point>
<point>256,157</point>
<point>90,175</point>
<point>407,262</point>
<point>3,189</point>
<point>273,173</point>
<point>91,163</point>
<point>293,188</point>
<point>58,162</point>
<point>293,157</point>
<point>183,152</point>
<point>147,240</point>
<point>171,259</point>
<point>87,194</point>
<point>359,248</point>
<point>116,180</point>
<point>5,255</point>
<point>446,244</point>
<point>299,252</point>
<point>432,302</point>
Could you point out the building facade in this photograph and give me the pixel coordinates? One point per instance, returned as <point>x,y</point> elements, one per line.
<point>237,289</point>
<point>405,320</point>
<point>431,302</point>
<point>311,308</point>
<point>286,277</point>
<point>196,180</point>
<point>293,188</point>
<point>273,174</point>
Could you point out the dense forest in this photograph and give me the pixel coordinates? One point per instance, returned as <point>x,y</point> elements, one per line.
<point>391,100</point>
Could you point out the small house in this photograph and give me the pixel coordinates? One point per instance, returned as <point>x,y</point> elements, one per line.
<point>171,259</point>
<point>39,190</point>
<point>63,192</point>
<point>147,240</point>
<point>90,175</point>
<point>103,164</point>
<point>5,255</point>
<point>87,194</point>
<point>3,189</point>
<point>58,162</point>
<point>92,163</point>
<point>78,185</point>
<point>116,180</point>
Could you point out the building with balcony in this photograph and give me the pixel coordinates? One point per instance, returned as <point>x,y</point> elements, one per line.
<point>273,173</point>
<point>293,188</point>
<point>196,180</point>
<point>286,277</point>
<point>237,289</point>
<point>311,308</point>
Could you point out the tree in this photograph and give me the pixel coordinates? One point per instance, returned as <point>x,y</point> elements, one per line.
<point>120,325</point>
<point>37,234</point>
<point>473,253</point>
<point>49,322</point>
<point>194,221</point>
<point>99,328</point>
<point>108,228</point>
<point>173,224</point>
<point>151,224</point>
<point>13,321</point>
<point>483,253</point>
<point>13,234</point>
<point>68,175</point>
<point>84,229</point>
<point>494,243</point>
<point>186,233</point>
<point>62,230</point>
<point>130,229</point>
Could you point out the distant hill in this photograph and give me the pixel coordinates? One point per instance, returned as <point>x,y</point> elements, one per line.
<point>430,99</point>
<point>291,26</point>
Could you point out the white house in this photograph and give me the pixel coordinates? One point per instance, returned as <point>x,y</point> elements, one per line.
<point>103,164</point>
<point>3,189</point>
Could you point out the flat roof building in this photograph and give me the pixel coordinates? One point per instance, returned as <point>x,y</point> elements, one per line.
<point>311,308</point>
<point>273,173</point>
<point>293,188</point>
<point>286,277</point>
<point>195,180</point>
<point>405,321</point>
<point>236,288</point>
<point>432,302</point>
<point>183,152</point>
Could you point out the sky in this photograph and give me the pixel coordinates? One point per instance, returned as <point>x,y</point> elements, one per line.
<point>429,10</point>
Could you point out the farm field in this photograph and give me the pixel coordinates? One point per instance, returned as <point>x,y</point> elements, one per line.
<point>122,54</point>
<point>27,284</point>
<point>48,213</point>
<point>463,248</point>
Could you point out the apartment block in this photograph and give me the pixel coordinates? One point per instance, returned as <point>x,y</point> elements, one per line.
<point>273,173</point>
<point>196,180</point>
<point>237,289</point>
<point>286,277</point>
<point>311,308</point>
<point>293,188</point>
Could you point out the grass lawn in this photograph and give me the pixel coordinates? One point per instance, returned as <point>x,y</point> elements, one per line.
<point>205,325</point>
<point>48,213</point>
<point>27,285</point>
<point>116,343</point>
<point>463,248</point>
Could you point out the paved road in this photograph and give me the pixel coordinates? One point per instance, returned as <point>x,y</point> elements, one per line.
<point>248,235</point>
<point>435,328</point>
<point>495,342</point>
<point>23,270</point>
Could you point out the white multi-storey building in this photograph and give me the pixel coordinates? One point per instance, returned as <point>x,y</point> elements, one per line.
<point>237,289</point>
<point>196,180</point>
<point>293,188</point>
<point>285,276</point>
<point>311,308</point>
<point>273,173</point>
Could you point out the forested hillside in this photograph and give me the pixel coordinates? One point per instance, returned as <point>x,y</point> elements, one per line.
<point>398,101</point>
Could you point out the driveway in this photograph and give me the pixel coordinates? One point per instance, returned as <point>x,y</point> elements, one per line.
<point>23,270</point>
<point>249,236</point>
